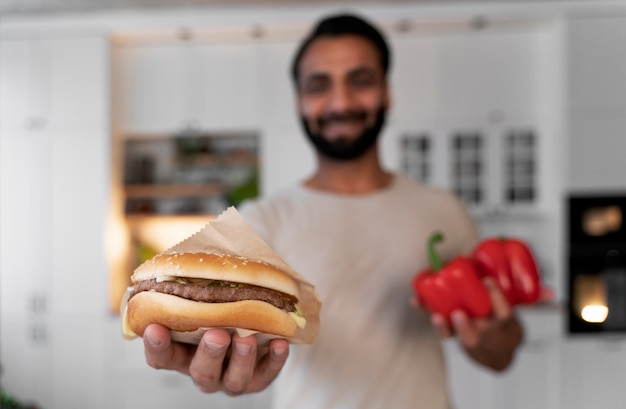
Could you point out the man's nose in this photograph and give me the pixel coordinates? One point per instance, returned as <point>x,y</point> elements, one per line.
<point>341,99</point>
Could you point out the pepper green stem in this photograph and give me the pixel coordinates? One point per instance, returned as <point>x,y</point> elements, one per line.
<point>435,261</point>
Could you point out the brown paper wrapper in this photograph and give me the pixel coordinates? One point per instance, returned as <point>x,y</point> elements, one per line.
<point>230,234</point>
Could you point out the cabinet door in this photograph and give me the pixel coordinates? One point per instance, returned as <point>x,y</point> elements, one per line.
<point>412,79</point>
<point>597,63</point>
<point>276,89</point>
<point>153,88</point>
<point>287,157</point>
<point>470,75</point>
<point>25,265</point>
<point>224,93</point>
<point>25,240</point>
<point>597,148</point>
<point>77,78</point>
<point>77,209</point>
<point>21,87</point>
<point>592,373</point>
<point>54,82</point>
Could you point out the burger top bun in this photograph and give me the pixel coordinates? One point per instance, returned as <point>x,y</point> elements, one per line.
<point>217,267</point>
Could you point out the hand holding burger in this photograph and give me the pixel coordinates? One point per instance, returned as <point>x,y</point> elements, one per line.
<point>187,293</point>
<point>221,307</point>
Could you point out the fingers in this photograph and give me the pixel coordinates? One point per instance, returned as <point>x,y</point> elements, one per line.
<point>465,329</point>
<point>241,366</point>
<point>441,325</point>
<point>546,295</point>
<point>218,363</point>
<point>162,353</point>
<point>271,364</point>
<point>207,364</point>
<point>500,305</point>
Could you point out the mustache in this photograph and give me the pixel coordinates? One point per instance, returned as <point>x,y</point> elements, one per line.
<point>339,117</point>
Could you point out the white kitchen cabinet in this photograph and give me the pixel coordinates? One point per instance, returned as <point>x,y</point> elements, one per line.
<point>276,88</point>
<point>51,82</point>
<point>225,93</point>
<point>21,97</point>
<point>25,272</point>
<point>597,146</point>
<point>152,88</point>
<point>494,168</point>
<point>74,95</point>
<point>287,156</point>
<point>484,73</point>
<point>25,193</point>
<point>185,85</point>
<point>596,61</point>
<point>52,201</point>
<point>591,372</point>
<point>596,53</point>
<point>474,112</point>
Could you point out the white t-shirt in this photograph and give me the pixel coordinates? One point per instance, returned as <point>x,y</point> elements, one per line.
<point>374,349</point>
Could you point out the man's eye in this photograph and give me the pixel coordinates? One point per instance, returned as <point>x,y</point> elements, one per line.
<point>315,87</point>
<point>362,81</point>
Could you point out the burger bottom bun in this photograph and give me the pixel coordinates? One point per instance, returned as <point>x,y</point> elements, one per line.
<point>182,315</point>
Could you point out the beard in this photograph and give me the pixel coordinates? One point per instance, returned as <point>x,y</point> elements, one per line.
<point>344,149</point>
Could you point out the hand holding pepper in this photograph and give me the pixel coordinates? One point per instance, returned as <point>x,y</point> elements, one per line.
<point>456,285</point>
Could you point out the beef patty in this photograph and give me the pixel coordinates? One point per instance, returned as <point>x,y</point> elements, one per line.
<point>217,292</point>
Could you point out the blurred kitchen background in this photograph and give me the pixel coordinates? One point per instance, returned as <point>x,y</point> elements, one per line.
<point>126,125</point>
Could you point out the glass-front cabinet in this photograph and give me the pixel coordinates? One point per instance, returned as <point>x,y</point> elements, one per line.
<point>492,169</point>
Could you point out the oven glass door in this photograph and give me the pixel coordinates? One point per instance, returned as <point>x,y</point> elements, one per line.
<point>598,293</point>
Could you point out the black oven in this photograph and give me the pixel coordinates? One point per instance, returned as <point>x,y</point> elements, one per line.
<point>596,263</point>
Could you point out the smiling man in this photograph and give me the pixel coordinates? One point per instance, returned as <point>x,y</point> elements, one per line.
<point>342,96</point>
<point>358,233</point>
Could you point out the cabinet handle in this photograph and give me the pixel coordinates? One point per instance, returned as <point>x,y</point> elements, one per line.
<point>38,334</point>
<point>36,123</point>
<point>38,304</point>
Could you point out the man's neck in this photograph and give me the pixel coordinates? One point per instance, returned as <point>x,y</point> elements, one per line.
<point>351,177</point>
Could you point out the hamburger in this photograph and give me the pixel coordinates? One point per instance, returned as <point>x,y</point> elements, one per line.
<point>190,291</point>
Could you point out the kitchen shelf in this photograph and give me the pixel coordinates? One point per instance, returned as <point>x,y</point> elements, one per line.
<point>191,173</point>
<point>173,191</point>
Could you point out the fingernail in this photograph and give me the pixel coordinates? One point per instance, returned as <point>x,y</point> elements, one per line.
<point>215,346</point>
<point>152,340</point>
<point>456,316</point>
<point>242,349</point>
<point>280,351</point>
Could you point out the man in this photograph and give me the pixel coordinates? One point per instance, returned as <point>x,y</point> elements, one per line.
<point>358,233</point>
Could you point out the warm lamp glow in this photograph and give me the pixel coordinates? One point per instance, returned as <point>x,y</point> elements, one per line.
<point>590,298</point>
<point>116,241</point>
<point>163,232</point>
<point>594,314</point>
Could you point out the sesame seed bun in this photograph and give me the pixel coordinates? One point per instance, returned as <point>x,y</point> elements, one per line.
<point>184,315</point>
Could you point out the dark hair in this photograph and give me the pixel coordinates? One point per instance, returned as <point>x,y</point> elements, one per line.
<point>338,25</point>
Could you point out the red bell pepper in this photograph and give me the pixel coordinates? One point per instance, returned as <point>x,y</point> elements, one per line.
<point>455,285</point>
<point>512,265</point>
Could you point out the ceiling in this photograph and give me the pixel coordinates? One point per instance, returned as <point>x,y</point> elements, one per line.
<point>29,7</point>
